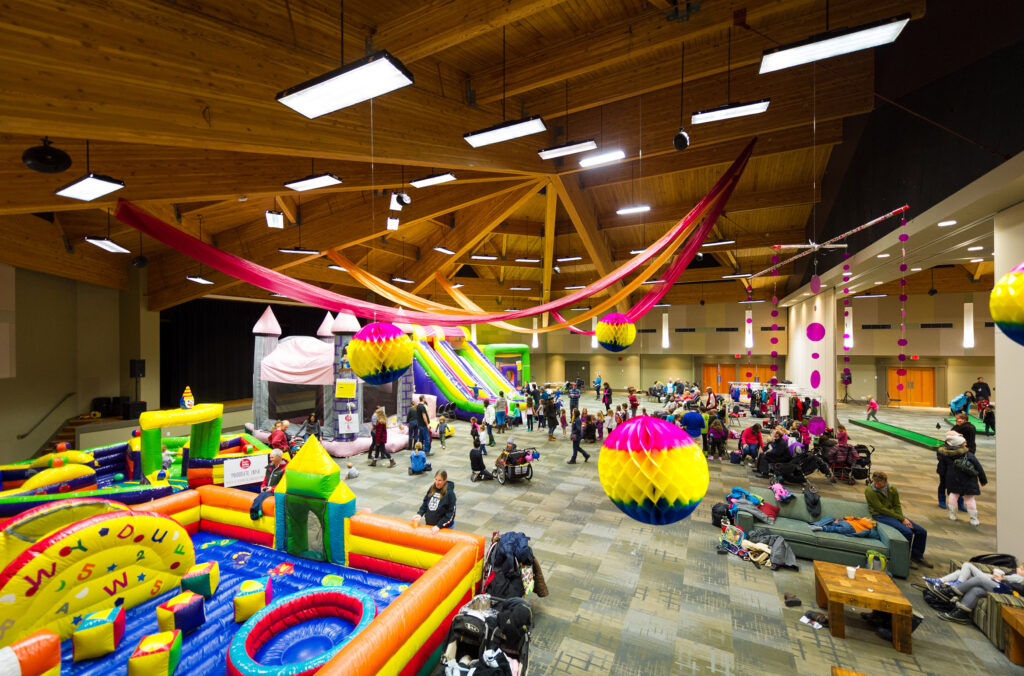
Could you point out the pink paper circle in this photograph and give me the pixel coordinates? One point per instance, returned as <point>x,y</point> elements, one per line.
<point>901,357</point>
<point>774,381</point>
<point>750,321</point>
<point>846,359</point>
<point>900,386</point>
<point>774,340</point>
<point>774,367</point>
<point>815,331</point>
<point>846,291</point>
<point>749,374</point>
<point>901,342</point>
<point>904,237</point>
<point>903,267</point>
<point>815,378</point>
<point>775,258</point>
<point>901,371</point>
<point>846,313</point>
<point>903,298</point>
<point>775,353</point>
<point>775,327</point>
<point>846,267</point>
<point>846,371</point>
<point>775,313</point>
<point>816,425</point>
<point>815,284</point>
<point>775,300</point>
<point>815,355</point>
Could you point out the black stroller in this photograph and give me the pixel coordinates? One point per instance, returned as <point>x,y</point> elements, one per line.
<point>514,465</point>
<point>851,464</point>
<point>488,633</point>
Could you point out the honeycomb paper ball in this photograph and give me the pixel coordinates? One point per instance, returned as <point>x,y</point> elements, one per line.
<point>615,332</point>
<point>380,353</point>
<point>1006,304</point>
<point>653,471</point>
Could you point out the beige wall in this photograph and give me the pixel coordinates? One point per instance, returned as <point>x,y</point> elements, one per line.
<point>67,338</point>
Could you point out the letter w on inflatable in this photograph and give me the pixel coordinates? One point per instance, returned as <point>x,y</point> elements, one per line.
<point>76,556</point>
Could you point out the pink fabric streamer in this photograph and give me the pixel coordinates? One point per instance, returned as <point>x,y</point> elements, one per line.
<point>676,268</point>
<point>276,282</point>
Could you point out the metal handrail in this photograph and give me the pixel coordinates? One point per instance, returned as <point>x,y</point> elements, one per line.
<point>55,407</point>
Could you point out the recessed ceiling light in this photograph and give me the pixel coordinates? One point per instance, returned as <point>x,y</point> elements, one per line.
<point>883,255</point>
<point>602,158</point>
<point>975,248</point>
<point>635,209</point>
<point>434,179</point>
<point>567,149</point>
<point>945,224</point>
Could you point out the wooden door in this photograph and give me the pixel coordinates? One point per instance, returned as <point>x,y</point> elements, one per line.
<point>921,386</point>
<point>897,396</point>
<point>709,378</point>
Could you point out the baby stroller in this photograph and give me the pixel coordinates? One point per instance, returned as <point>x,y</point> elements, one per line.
<point>514,465</point>
<point>488,633</point>
<point>850,464</point>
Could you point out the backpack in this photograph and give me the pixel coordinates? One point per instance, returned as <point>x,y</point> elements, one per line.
<point>506,584</point>
<point>937,603</point>
<point>720,514</point>
<point>1004,561</point>
<point>515,620</point>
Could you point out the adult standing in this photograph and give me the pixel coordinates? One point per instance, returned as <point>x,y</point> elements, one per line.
<point>412,421</point>
<point>574,396</point>
<point>981,390</point>
<point>490,418</point>
<point>551,416</point>
<point>962,473</point>
<point>423,419</point>
<point>597,386</point>
<point>884,504</point>
<point>500,412</point>
<point>438,508</point>
<point>606,398</point>
<point>577,437</point>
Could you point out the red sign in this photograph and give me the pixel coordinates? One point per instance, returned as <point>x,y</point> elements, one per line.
<point>914,356</point>
<point>245,463</point>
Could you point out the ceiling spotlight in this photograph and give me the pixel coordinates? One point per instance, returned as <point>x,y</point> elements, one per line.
<point>375,74</point>
<point>556,270</point>
<point>140,261</point>
<point>700,302</point>
<point>399,200</point>
<point>45,158</point>
<point>681,141</point>
<point>275,219</point>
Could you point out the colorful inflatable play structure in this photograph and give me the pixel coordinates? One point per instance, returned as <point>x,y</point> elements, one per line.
<point>344,358</point>
<point>132,472</point>
<point>190,584</point>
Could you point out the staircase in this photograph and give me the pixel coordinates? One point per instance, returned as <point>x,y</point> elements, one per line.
<point>66,433</point>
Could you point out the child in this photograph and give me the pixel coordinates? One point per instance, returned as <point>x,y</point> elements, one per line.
<point>841,436</point>
<point>442,430</point>
<point>529,414</point>
<point>476,463</point>
<point>418,460</point>
<point>990,419</point>
<point>564,423</point>
<point>717,436</point>
<point>872,409</point>
<point>619,415</point>
<point>352,472</point>
<point>474,431</point>
<point>634,403</point>
<point>600,425</point>
<point>380,438</point>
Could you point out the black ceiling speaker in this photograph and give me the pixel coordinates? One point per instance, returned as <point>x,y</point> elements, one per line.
<point>932,291</point>
<point>46,159</point>
<point>681,141</point>
<point>140,261</point>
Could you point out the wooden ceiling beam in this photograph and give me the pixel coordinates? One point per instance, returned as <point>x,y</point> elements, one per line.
<point>433,27</point>
<point>581,213</point>
<point>547,261</point>
<point>196,81</point>
<point>754,240</point>
<point>472,225</point>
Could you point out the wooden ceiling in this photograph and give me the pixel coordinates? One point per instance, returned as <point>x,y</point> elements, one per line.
<point>177,99</point>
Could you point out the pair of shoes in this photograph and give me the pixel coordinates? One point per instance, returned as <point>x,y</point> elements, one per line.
<point>941,590</point>
<point>814,616</point>
<point>921,562</point>
<point>933,581</point>
<point>373,463</point>
<point>957,615</point>
<point>791,600</point>
<point>570,462</point>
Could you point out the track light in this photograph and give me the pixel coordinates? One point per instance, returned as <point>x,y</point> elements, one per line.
<point>399,200</point>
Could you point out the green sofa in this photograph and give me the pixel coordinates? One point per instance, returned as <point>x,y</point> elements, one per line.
<point>793,525</point>
<point>988,614</point>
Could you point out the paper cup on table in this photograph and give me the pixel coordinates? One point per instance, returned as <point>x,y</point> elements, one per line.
<point>851,572</point>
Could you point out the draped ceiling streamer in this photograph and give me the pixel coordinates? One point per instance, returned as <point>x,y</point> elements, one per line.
<point>271,280</point>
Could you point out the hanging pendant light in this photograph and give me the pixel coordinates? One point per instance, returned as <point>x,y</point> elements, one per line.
<point>89,187</point>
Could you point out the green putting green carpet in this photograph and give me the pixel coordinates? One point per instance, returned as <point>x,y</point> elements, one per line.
<point>979,425</point>
<point>900,433</point>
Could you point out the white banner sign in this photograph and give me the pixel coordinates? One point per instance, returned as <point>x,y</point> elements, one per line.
<point>246,470</point>
<point>348,423</point>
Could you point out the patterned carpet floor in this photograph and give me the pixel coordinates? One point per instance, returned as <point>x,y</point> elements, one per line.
<point>632,599</point>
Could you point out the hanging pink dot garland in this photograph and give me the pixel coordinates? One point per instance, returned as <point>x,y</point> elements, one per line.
<point>902,342</point>
<point>847,273</point>
<point>775,324</point>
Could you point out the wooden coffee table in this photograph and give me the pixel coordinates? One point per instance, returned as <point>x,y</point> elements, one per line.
<point>871,589</point>
<point>1013,625</point>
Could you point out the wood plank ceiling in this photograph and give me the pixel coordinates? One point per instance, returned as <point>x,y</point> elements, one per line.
<point>177,99</point>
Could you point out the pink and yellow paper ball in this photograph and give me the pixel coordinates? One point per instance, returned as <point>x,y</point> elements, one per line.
<point>615,332</point>
<point>380,353</point>
<point>1006,304</point>
<point>653,471</point>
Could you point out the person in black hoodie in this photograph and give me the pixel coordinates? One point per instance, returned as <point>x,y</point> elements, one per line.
<point>476,462</point>
<point>962,473</point>
<point>438,508</point>
<point>777,452</point>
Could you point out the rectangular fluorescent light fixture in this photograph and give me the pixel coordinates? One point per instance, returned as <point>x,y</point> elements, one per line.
<point>750,301</point>
<point>511,309</point>
<point>833,43</point>
<point>106,244</point>
<point>90,186</point>
<point>505,131</point>
<point>482,257</point>
<point>444,250</point>
<point>602,158</point>
<point>527,260</point>
<point>519,288</point>
<point>727,112</point>
<point>663,305</point>
<point>635,252</point>
<point>946,224</point>
<point>373,75</point>
<point>720,242</point>
<point>882,255</point>
<point>198,279</point>
<point>402,280</point>
<point>574,287</point>
<point>915,269</point>
<point>579,309</point>
<point>568,259</point>
<point>872,295</point>
<point>973,260</point>
<point>458,286</point>
<point>275,294</point>
<point>636,209</point>
<point>433,179</point>
<point>336,267</point>
<point>275,219</point>
<point>739,275</point>
<point>975,248</point>
<point>879,283</point>
<point>299,251</point>
<point>392,223</point>
<point>651,281</point>
<point>312,182</point>
<point>570,148</point>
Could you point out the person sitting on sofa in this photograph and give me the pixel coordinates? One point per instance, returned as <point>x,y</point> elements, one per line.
<point>969,584</point>
<point>884,504</point>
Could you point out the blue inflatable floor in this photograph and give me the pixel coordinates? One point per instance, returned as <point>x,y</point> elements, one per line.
<point>204,651</point>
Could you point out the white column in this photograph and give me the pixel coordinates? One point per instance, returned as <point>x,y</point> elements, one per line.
<point>801,363</point>
<point>1009,252</point>
<point>664,331</point>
